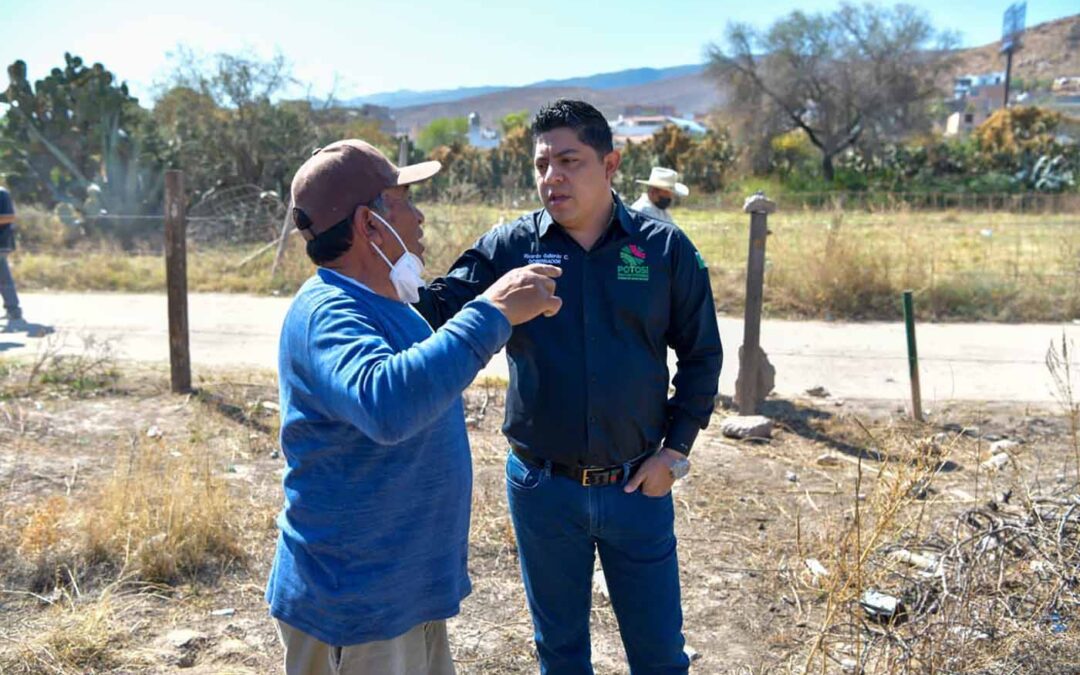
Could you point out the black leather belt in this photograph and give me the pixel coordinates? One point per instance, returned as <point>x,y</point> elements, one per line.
<point>588,476</point>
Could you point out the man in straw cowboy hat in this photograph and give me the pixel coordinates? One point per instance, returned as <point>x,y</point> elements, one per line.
<point>663,185</point>
<point>371,557</point>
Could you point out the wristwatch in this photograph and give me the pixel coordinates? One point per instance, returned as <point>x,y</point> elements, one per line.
<point>679,468</point>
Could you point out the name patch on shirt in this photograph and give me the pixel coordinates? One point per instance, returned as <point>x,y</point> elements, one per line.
<point>544,258</point>
<point>633,267</point>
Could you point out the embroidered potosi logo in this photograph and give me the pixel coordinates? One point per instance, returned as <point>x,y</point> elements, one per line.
<point>633,267</point>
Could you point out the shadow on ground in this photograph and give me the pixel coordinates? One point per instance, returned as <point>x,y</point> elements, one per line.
<point>799,420</point>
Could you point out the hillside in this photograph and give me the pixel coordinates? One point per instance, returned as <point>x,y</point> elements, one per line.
<point>623,78</point>
<point>407,97</point>
<point>1050,50</point>
<point>601,81</point>
<point>688,93</point>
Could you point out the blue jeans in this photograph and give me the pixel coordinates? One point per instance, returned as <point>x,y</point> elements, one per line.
<point>7,289</point>
<point>559,525</point>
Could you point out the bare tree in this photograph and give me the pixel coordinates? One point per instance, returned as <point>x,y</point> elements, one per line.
<point>861,74</point>
<point>226,119</point>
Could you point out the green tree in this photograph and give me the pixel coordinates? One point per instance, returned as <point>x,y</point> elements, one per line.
<point>514,120</point>
<point>638,159</point>
<point>790,152</point>
<point>75,128</point>
<point>670,146</point>
<point>512,161</point>
<point>1013,131</point>
<point>443,131</point>
<point>709,162</point>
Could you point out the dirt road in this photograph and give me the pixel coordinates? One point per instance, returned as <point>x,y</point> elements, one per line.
<point>992,362</point>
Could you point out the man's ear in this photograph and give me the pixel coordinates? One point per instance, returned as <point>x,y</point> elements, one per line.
<point>612,160</point>
<point>364,225</point>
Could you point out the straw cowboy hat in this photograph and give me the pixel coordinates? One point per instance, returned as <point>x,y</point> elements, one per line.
<point>666,179</point>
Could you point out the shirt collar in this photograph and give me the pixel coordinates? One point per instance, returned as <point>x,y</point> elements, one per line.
<point>619,215</point>
<point>348,280</point>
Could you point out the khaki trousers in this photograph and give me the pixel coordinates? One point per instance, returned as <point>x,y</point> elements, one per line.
<point>424,650</point>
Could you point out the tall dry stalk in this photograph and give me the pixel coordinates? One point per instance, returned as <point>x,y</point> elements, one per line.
<point>1061,368</point>
<point>881,515</point>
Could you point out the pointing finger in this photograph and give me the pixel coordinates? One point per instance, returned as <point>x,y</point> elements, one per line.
<point>547,270</point>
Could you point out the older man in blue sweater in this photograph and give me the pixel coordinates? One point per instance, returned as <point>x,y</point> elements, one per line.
<point>371,558</point>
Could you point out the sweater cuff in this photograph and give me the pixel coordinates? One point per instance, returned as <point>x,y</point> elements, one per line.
<point>483,326</point>
<point>681,434</point>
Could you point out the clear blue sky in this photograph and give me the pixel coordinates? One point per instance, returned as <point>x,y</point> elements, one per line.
<point>420,44</point>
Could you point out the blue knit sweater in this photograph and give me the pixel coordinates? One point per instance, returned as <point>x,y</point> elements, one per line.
<point>374,532</point>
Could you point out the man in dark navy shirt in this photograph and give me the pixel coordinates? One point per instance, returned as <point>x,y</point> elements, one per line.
<point>596,441</point>
<point>12,312</point>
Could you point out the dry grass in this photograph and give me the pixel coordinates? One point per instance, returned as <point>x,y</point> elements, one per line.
<point>989,587</point>
<point>992,266</point>
<point>106,547</point>
<point>988,590</point>
<point>148,516</point>
<point>163,515</point>
<point>81,637</point>
<point>825,264</point>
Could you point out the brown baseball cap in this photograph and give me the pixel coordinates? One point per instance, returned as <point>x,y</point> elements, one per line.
<point>341,176</point>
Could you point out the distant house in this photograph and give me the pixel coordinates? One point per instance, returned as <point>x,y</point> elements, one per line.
<point>1066,85</point>
<point>480,136</point>
<point>977,97</point>
<point>641,128</point>
<point>965,85</point>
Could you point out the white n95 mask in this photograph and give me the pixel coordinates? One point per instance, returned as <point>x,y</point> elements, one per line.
<point>407,274</point>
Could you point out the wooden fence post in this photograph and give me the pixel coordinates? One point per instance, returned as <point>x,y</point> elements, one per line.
<point>752,360</point>
<point>176,282</point>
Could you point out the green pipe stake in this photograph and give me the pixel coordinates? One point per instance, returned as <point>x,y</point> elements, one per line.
<point>913,356</point>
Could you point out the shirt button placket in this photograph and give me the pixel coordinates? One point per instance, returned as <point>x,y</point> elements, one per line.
<point>590,343</point>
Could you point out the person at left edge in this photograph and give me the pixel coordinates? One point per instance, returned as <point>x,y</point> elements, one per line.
<point>13,317</point>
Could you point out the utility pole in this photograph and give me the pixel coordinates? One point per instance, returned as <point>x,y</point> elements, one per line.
<point>1012,27</point>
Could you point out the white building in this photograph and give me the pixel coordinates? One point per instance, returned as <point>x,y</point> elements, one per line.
<point>976,97</point>
<point>480,136</point>
<point>643,127</point>
<point>965,85</point>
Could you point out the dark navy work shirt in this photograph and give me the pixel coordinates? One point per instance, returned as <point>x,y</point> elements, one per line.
<point>7,218</point>
<point>589,386</point>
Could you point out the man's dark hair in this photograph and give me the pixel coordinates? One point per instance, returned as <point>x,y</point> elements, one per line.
<point>334,242</point>
<point>588,123</point>
<point>331,244</point>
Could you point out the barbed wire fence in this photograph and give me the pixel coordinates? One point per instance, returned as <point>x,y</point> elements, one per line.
<point>242,214</point>
<point>877,200</point>
<point>249,222</point>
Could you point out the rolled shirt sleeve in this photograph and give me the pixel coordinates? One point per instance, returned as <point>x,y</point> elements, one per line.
<point>695,337</point>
